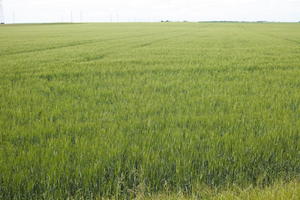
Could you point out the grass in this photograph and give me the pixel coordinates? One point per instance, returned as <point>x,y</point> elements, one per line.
<point>120,110</point>
<point>279,191</point>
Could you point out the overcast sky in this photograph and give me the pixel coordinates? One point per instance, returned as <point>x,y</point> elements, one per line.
<point>149,10</point>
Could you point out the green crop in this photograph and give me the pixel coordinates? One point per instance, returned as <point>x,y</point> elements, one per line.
<point>119,109</point>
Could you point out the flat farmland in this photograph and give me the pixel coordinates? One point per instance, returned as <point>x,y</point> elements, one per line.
<point>136,110</point>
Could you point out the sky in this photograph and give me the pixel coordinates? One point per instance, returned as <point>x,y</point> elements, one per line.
<point>23,11</point>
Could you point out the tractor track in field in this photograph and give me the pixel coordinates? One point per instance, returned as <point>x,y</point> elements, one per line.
<point>132,47</point>
<point>73,44</point>
<point>271,35</point>
<point>80,43</point>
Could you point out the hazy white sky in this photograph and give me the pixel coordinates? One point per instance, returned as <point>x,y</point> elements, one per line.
<point>149,10</point>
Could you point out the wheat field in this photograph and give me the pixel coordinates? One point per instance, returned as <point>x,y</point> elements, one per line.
<point>124,110</point>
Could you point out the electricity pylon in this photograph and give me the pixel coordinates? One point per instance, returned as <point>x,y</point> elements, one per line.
<point>1,13</point>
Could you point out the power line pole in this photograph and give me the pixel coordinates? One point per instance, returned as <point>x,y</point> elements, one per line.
<point>81,15</point>
<point>2,20</point>
<point>14,18</point>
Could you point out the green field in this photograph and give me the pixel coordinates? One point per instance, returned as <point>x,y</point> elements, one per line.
<point>145,109</point>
